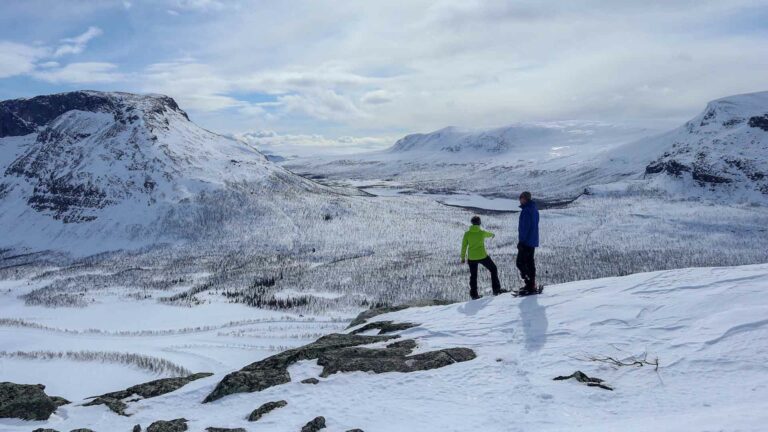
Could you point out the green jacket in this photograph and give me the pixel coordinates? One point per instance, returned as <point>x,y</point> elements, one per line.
<point>474,241</point>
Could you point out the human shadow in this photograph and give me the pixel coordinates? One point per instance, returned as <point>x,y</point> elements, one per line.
<point>535,323</point>
<point>473,306</point>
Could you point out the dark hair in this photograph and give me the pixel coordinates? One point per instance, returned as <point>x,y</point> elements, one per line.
<point>526,195</point>
<point>475,220</point>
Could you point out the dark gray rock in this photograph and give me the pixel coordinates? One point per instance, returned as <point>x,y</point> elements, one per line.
<point>583,378</point>
<point>176,425</point>
<point>315,425</point>
<point>215,429</point>
<point>370,313</point>
<point>355,430</point>
<point>137,428</point>
<point>115,400</point>
<point>273,370</point>
<point>310,381</point>
<point>384,327</point>
<point>393,358</point>
<point>82,430</point>
<point>44,430</point>
<point>266,408</point>
<point>25,401</point>
<point>59,401</point>
<point>23,116</point>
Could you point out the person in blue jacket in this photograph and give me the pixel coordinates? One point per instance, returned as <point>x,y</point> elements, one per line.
<point>528,241</point>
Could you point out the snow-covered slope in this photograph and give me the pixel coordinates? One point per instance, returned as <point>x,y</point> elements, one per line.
<point>723,150</point>
<point>87,163</point>
<point>493,162</point>
<point>706,327</point>
<point>537,142</point>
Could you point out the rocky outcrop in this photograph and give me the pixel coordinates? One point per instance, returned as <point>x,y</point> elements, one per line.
<point>338,353</point>
<point>82,430</point>
<point>44,430</point>
<point>310,381</point>
<point>315,425</point>
<point>23,116</point>
<point>215,429</point>
<point>265,409</point>
<point>176,425</point>
<point>370,313</point>
<point>115,400</point>
<point>384,327</point>
<point>394,358</point>
<point>273,370</point>
<point>27,401</point>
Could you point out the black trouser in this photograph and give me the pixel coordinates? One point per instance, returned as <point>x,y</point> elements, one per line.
<point>488,263</point>
<point>526,264</point>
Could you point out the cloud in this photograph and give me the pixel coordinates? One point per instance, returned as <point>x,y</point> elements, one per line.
<point>377,97</point>
<point>77,44</point>
<point>17,59</point>
<point>312,144</point>
<point>80,73</point>
<point>385,68</point>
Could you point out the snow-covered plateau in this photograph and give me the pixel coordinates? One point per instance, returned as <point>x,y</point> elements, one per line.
<point>678,350</point>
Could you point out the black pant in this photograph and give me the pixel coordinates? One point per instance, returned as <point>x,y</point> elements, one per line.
<point>488,263</point>
<point>526,264</point>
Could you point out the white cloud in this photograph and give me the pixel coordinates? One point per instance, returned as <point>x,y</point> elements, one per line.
<point>80,73</point>
<point>77,44</point>
<point>377,97</point>
<point>312,144</point>
<point>17,59</point>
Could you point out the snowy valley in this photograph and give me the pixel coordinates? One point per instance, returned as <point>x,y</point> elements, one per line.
<point>139,246</point>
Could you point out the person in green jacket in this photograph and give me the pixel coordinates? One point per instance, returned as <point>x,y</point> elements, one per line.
<point>473,245</point>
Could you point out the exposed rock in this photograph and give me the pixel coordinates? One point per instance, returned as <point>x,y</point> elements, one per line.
<point>215,429</point>
<point>44,430</point>
<point>315,425</point>
<point>137,428</point>
<point>583,378</point>
<point>393,358</point>
<point>355,430</point>
<point>176,425</point>
<point>114,400</point>
<point>26,401</point>
<point>384,327</point>
<point>273,370</point>
<point>82,430</point>
<point>59,401</point>
<point>265,409</point>
<point>370,313</point>
<point>310,381</point>
<point>759,122</point>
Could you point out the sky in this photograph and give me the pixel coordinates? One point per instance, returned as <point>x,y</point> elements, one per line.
<point>356,75</point>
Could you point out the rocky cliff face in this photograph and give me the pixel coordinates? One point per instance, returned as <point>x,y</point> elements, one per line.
<point>723,148</point>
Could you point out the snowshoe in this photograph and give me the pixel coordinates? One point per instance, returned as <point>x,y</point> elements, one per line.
<point>523,292</point>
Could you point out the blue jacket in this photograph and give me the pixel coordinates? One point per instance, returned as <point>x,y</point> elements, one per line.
<point>528,228</point>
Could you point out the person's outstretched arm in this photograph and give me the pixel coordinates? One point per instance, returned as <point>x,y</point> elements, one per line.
<point>488,234</point>
<point>464,246</point>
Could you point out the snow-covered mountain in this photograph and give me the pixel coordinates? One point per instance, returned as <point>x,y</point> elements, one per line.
<point>114,163</point>
<point>541,141</point>
<point>722,151</point>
